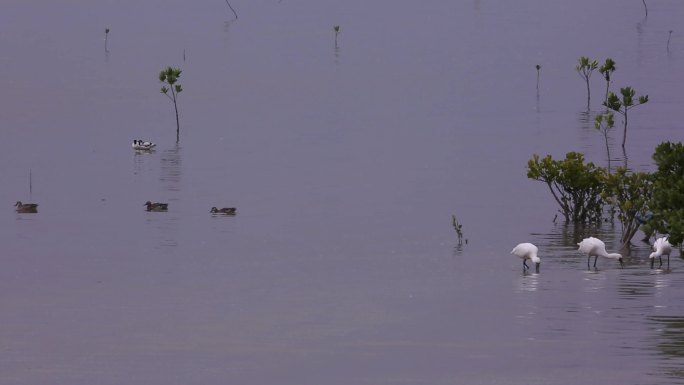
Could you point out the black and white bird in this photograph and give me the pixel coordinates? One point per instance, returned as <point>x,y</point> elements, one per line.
<point>142,145</point>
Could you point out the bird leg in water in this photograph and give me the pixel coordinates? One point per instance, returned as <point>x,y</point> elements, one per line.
<point>595,259</point>
<point>525,267</point>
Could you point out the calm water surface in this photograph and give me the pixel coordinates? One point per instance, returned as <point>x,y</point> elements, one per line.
<point>345,164</point>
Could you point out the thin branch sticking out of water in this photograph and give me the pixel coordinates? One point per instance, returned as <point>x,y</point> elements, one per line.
<point>645,7</point>
<point>231,8</point>
<point>459,229</point>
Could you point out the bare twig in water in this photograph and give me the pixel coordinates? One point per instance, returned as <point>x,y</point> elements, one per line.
<point>668,41</point>
<point>645,7</point>
<point>231,8</point>
<point>538,68</point>
<point>459,229</point>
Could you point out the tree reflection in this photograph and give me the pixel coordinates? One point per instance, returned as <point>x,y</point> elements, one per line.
<point>670,344</point>
<point>171,169</point>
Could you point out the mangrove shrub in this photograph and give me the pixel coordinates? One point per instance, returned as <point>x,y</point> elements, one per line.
<point>629,193</point>
<point>576,186</point>
<point>668,191</point>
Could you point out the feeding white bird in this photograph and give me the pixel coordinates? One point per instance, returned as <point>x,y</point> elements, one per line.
<point>596,248</point>
<point>661,247</point>
<point>527,251</point>
<point>142,145</point>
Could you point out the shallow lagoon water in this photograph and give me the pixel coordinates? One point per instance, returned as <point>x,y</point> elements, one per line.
<point>346,164</point>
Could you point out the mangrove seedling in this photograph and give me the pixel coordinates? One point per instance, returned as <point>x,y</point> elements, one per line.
<point>336,29</point>
<point>585,68</point>
<point>605,123</point>
<point>538,68</point>
<point>169,76</point>
<point>231,8</point>
<point>606,70</point>
<point>106,34</point>
<point>668,40</point>
<point>622,106</point>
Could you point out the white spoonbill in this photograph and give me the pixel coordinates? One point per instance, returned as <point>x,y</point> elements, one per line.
<point>661,247</point>
<point>596,248</point>
<point>527,251</point>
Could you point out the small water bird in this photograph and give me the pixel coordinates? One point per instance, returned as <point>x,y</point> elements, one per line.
<point>596,248</point>
<point>225,210</point>
<point>142,145</point>
<point>661,247</point>
<point>527,251</point>
<point>156,206</point>
<point>26,208</point>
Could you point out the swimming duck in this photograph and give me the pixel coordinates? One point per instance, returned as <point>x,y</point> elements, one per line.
<point>225,210</point>
<point>28,208</point>
<point>142,145</point>
<point>156,206</point>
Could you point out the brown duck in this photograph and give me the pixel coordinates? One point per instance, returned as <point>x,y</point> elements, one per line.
<point>28,208</point>
<point>225,210</point>
<point>156,206</point>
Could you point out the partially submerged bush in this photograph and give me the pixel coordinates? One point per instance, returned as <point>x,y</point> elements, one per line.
<point>629,193</point>
<point>575,186</point>
<point>668,191</point>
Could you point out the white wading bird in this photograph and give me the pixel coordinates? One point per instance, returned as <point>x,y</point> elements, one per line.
<point>527,251</point>
<point>661,247</point>
<point>596,248</point>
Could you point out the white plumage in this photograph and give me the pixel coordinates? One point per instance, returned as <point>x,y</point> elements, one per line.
<point>595,247</point>
<point>527,251</point>
<point>661,247</point>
